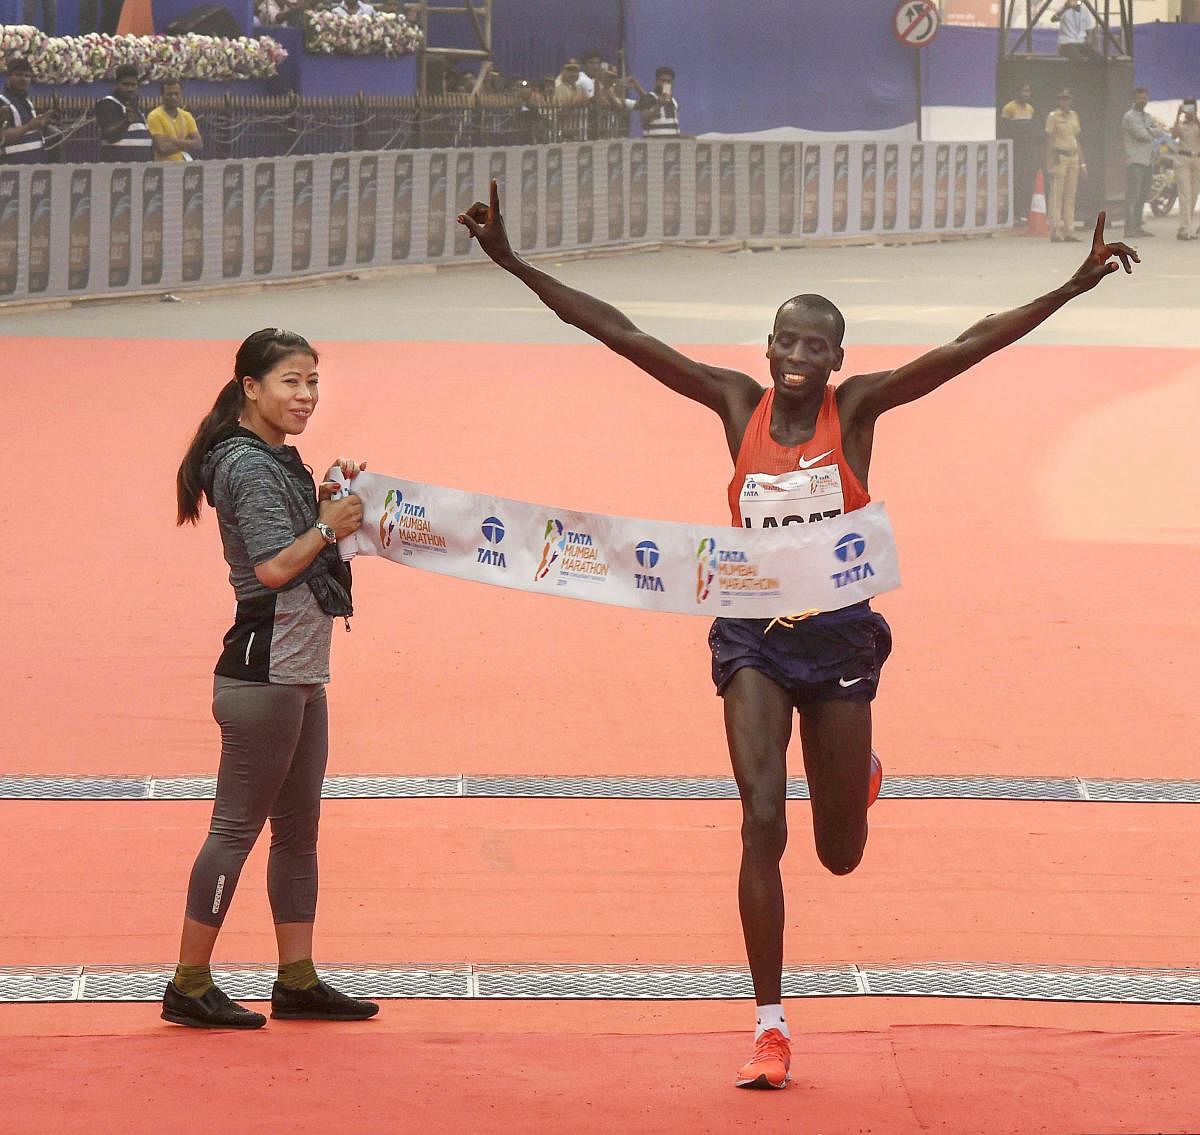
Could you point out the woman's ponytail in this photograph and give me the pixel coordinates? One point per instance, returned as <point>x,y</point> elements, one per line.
<point>220,419</point>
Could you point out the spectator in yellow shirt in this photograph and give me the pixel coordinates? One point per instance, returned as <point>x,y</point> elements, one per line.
<point>173,129</point>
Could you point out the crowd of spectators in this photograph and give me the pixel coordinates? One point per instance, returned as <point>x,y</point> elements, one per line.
<point>584,82</point>
<point>585,100</point>
<point>127,133</point>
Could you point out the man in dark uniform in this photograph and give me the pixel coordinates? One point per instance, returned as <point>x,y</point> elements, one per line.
<point>763,693</point>
<point>24,137</point>
<point>124,135</point>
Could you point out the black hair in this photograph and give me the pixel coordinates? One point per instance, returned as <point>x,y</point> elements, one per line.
<point>255,357</point>
<point>170,81</point>
<point>669,71</point>
<point>822,306</point>
<point>126,71</point>
<point>19,63</point>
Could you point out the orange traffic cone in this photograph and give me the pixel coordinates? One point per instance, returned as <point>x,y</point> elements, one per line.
<point>1038,225</point>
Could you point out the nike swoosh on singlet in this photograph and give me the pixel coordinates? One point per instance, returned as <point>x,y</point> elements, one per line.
<point>846,683</point>
<point>807,463</point>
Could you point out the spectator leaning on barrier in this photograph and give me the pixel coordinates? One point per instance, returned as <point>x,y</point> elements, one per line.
<point>1017,124</point>
<point>607,93</point>
<point>1186,133</point>
<point>1065,166</point>
<point>1076,31</point>
<point>567,91</point>
<point>124,135</point>
<point>593,64</point>
<point>176,136</point>
<point>660,119</point>
<point>1138,131</point>
<point>24,137</point>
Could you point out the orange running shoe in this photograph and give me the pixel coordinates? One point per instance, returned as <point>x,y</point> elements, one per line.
<point>768,1067</point>
<point>876,779</point>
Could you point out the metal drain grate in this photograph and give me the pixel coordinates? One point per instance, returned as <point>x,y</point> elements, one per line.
<point>64,788</point>
<point>1143,791</point>
<point>74,787</point>
<point>1181,987</point>
<point>980,788</point>
<point>605,787</point>
<point>633,982</point>
<point>383,787</point>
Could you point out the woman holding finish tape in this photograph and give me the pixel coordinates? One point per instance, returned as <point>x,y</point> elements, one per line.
<point>279,534</point>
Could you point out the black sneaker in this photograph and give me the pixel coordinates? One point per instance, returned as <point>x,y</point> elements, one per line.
<point>320,1003</point>
<point>212,1011</point>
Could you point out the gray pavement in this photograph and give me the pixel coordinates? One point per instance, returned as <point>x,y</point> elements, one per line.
<point>914,293</point>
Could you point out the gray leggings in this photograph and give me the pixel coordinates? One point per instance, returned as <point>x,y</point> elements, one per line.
<point>274,747</point>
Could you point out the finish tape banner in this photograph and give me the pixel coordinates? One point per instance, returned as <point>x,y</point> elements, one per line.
<point>653,565</point>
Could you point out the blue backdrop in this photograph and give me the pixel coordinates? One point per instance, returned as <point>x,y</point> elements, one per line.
<point>960,65</point>
<point>759,64</point>
<point>753,65</point>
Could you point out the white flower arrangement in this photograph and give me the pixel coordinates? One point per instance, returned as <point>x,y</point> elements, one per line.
<point>94,57</point>
<point>382,33</point>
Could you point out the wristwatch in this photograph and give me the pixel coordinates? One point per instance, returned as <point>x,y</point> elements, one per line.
<point>327,532</point>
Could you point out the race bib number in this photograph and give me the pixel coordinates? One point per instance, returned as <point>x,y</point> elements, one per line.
<point>803,496</point>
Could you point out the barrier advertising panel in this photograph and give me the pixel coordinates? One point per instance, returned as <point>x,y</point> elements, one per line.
<point>787,190</point>
<point>585,190</point>
<point>120,220</point>
<point>302,216</point>
<point>40,230</point>
<point>704,189</point>
<point>402,205</point>
<point>365,225</point>
<point>233,222</point>
<point>152,225</point>
<point>10,231</point>
<point>554,197</point>
<point>616,192</point>
<point>264,218</point>
<point>192,227</point>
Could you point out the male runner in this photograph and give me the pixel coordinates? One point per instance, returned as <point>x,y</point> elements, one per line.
<point>798,436</point>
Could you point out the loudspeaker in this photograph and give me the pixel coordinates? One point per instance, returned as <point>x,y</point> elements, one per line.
<point>1103,92</point>
<point>209,19</point>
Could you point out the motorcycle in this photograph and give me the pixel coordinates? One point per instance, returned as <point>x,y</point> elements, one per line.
<point>1163,187</point>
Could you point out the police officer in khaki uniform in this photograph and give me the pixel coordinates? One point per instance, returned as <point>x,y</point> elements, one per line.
<point>1186,133</point>
<point>1065,165</point>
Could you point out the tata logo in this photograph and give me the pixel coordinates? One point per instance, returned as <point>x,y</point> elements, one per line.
<point>647,554</point>
<point>850,547</point>
<point>493,532</point>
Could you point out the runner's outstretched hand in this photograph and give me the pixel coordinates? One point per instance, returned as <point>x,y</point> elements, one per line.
<point>487,226</point>
<point>1103,259</point>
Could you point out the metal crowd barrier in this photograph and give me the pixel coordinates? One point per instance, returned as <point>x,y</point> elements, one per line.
<point>271,126</point>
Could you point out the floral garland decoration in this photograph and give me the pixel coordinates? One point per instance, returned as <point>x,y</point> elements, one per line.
<point>383,33</point>
<point>94,57</point>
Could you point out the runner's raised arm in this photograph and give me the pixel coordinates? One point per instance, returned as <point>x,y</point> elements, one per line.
<point>730,393</point>
<point>873,394</point>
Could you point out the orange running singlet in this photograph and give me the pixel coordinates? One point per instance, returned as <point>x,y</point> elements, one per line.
<point>774,485</point>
